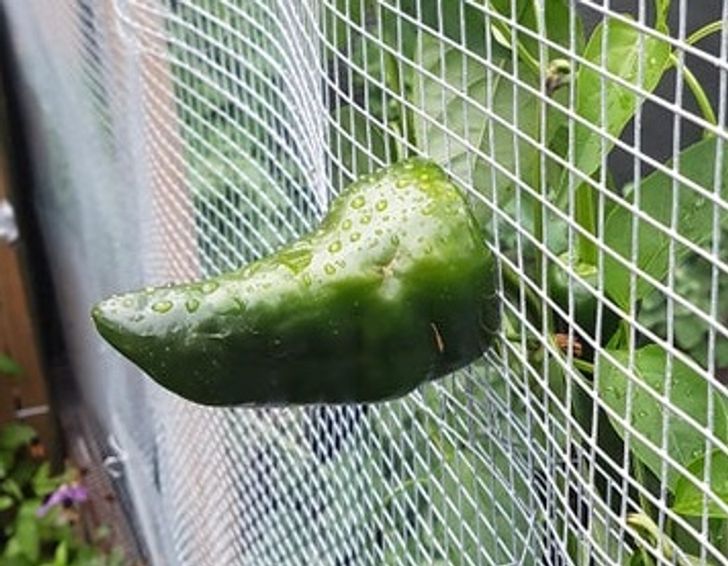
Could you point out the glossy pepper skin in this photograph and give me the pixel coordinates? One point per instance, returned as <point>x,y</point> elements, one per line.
<point>394,288</point>
<point>585,301</point>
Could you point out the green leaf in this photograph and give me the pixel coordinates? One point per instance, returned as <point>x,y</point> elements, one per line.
<point>7,459</point>
<point>447,103</point>
<point>688,391</point>
<point>27,533</point>
<point>470,491</point>
<point>484,491</point>
<point>636,559</point>
<point>14,435</point>
<point>13,554</point>
<point>60,557</point>
<point>23,471</point>
<point>694,221</point>
<point>658,541</point>
<point>557,18</point>
<point>356,140</point>
<point>341,16</point>
<point>689,332</point>
<point>500,36</point>
<point>454,123</point>
<point>43,482</point>
<point>455,13</point>
<point>721,352</point>
<point>388,28</point>
<point>627,49</point>
<point>8,366</point>
<point>515,153</point>
<point>689,499</point>
<point>662,9</point>
<point>12,488</point>
<point>6,502</point>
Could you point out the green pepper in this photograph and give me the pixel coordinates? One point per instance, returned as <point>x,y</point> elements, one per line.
<point>583,288</point>
<point>394,288</point>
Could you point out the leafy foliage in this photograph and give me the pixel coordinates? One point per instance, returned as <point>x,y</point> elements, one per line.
<point>465,485</point>
<point>247,186</point>
<point>630,56</point>
<point>689,499</point>
<point>14,435</point>
<point>657,195</point>
<point>693,281</point>
<point>651,398</point>
<point>453,81</point>
<point>26,538</point>
<point>557,16</point>
<point>359,142</point>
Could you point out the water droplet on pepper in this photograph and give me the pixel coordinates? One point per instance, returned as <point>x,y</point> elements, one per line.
<point>162,306</point>
<point>209,286</point>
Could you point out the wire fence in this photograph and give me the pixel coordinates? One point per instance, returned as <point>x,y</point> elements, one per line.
<point>184,138</point>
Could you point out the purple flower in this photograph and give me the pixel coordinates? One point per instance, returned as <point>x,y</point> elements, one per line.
<point>66,495</point>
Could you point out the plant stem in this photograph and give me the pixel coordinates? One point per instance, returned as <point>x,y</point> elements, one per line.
<point>512,282</point>
<point>639,473</point>
<point>538,213</point>
<point>502,36</point>
<point>646,558</point>
<point>406,120</point>
<point>583,365</point>
<point>662,8</point>
<point>527,58</point>
<point>705,31</point>
<point>585,217</point>
<point>698,92</point>
<point>394,149</point>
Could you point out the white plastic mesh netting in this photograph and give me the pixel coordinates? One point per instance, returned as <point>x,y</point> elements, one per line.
<point>178,138</point>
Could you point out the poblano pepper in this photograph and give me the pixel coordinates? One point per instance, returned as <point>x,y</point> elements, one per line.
<point>394,288</point>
